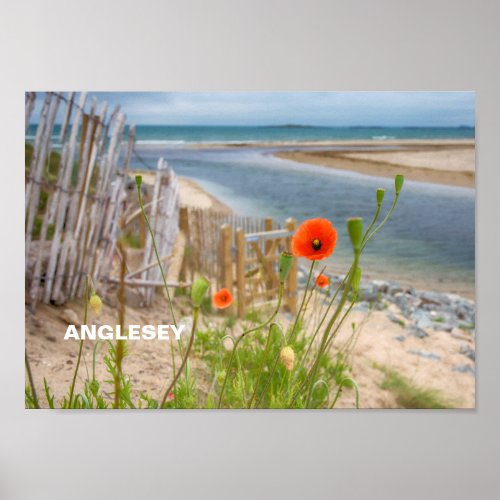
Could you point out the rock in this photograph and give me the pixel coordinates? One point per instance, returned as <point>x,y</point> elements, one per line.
<point>394,287</point>
<point>395,319</point>
<point>467,351</point>
<point>459,334</point>
<point>425,354</point>
<point>417,332</point>
<point>369,293</point>
<point>362,306</point>
<point>434,298</point>
<point>400,338</point>
<point>380,286</point>
<point>465,369</point>
<point>70,317</point>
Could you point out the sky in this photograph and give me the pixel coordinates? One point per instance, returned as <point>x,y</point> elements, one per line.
<point>439,109</point>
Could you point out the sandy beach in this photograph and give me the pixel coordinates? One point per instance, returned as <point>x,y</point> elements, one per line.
<point>449,162</point>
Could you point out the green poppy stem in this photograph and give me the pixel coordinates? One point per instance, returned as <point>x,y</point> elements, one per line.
<point>85,313</point>
<point>292,331</point>
<point>169,300</point>
<point>186,355</point>
<point>244,334</point>
<point>261,366</point>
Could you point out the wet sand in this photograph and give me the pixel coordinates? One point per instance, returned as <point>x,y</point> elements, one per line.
<point>451,163</point>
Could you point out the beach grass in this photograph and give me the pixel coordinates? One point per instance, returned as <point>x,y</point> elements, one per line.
<point>409,395</point>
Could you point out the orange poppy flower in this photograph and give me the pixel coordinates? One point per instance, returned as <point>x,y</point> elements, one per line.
<point>322,281</point>
<point>315,239</point>
<point>222,298</point>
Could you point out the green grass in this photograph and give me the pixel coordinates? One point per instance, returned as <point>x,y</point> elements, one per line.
<point>408,395</point>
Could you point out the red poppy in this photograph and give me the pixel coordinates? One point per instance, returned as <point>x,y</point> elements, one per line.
<point>315,239</point>
<point>171,396</point>
<point>222,298</point>
<point>322,281</point>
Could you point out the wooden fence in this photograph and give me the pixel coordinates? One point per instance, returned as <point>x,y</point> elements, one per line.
<point>239,253</point>
<point>76,197</point>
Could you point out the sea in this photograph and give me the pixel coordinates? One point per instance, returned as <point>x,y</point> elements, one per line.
<point>429,242</point>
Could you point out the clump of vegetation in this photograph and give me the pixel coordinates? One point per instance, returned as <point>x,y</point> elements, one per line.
<point>408,395</point>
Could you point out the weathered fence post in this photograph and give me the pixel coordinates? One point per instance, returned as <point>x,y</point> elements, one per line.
<point>227,260</point>
<point>291,289</point>
<point>184,228</point>
<point>240,270</point>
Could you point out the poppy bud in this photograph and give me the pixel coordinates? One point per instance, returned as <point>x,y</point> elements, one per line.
<point>287,357</point>
<point>355,228</point>
<point>380,195</point>
<point>95,303</point>
<point>356,279</point>
<point>285,264</point>
<point>138,180</point>
<point>198,290</point>
<point>398,182</point>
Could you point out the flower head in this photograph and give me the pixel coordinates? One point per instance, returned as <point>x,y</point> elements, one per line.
<point>95,303</point>
<point>171,396</point>
<point>287,356</point>
<point>222,298</point>
<point>315,239</point>
<point>322,281</point>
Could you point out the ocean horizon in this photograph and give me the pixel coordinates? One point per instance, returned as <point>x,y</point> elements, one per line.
<point>172,135</point>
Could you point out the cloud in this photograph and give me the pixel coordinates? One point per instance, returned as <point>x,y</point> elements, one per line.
<point>308,108</point>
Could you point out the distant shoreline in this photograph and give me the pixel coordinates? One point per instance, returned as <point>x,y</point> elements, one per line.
<point>450,162</point>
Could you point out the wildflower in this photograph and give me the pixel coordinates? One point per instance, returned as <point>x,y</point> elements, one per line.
<point>287,357</point>
<point>315,239</point>
<point>322,281</point>
<point>95,303</point>
<point>171,396</point>
<point>198,290</point>
<point>222,298</point>
<point>285,263</point>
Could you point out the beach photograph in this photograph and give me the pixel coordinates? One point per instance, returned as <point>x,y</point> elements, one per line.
<point>250,250</point>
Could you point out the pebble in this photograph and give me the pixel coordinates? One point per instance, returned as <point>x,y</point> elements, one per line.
<point>425,354</point>
<point>465,369</point>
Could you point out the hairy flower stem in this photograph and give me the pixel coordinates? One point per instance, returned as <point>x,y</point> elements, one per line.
<point>339,392</point>
<point>324,340</point>
<point>261,367</point>
<point>169,300</point>
<point>30,379</point>
<point>292,331</point>
<point>244,334</point>
<point>85,313</point>
<point>196,311</point>
<point>367,238</point>
<point>119,351</point>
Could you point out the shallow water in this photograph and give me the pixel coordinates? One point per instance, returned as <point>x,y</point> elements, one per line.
<point>429,239</point>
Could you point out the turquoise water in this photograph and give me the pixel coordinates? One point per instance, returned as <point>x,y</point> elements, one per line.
<point>178,135</point>
<point>428,241</point>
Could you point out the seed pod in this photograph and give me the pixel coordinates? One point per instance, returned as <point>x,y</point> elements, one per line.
<point>95,303</point>
<point>285,264</point>
<point>198,290</point>
<point>380,195</point>
<point>355,228</point>
<point>398,183</point>
<point>287,357</point>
